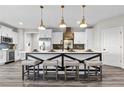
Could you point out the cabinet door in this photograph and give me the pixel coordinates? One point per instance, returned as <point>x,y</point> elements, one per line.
<point>79,38</point>
<point>2,56</point>
<point>10,33</point>
<point>0,32</point>
<point>46,33</point>
<point>17,55</point>
<point>15,38</point>
<point>57,37</point>
<point>6,31</point>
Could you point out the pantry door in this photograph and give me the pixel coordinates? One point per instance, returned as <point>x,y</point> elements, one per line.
<point>113,46</point>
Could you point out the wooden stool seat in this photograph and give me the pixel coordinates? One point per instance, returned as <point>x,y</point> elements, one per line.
<point>30,62</point>
<point>26,64</point>
<point>47,63</point>
<point>93,63</point>
<point>50,63</point>
<point>98,68</point>
<point>71,63</point>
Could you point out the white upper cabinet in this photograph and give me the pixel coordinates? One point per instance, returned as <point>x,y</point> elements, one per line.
<point>79,38</point>
<point>15,37</point>
<point>57,37</point>
<point>46,33</point>
<point>7,32</point>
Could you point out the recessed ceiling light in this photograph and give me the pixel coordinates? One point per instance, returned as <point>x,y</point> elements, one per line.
<point>78,22</point>
<point>20,23</point>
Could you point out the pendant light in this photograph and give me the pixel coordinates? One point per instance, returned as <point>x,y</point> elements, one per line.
<point>62,23</point>
<point>83,23</point>
<point>41,27</point>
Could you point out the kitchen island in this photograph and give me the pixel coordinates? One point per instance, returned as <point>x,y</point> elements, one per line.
<point>79,55</point>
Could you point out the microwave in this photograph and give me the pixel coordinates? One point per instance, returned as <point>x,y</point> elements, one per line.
<point>5,39</point>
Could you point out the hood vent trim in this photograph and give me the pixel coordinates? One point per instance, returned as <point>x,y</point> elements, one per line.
<point>68,34</point>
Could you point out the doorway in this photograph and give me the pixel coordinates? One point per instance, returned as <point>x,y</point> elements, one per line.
<point>112,45</point>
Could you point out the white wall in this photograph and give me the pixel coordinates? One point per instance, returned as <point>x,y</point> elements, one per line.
<point>28,42</point>
<point>35,39</point>
<point>89,36</point>
<point>21,39</point>
<point>113,22</point>
<point>107,23</point>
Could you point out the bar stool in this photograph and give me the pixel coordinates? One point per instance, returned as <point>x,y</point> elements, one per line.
<point>48,63</point>
<point>98,68</point>
<point>26,64</point>
<point>71,63</point>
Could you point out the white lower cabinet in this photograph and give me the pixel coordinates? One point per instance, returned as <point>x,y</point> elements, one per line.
<point>22,55</point>
<point>2,57</point>
<point>15,37</point>
<point>19,55</point>
<point>57,37</point>
<point>79,38</point>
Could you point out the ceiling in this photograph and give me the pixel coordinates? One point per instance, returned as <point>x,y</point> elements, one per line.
<point>30,14</point>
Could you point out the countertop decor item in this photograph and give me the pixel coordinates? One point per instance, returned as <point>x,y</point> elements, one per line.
<point>89,50</point>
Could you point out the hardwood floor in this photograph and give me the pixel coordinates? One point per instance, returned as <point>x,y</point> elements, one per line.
<point>10,76</point>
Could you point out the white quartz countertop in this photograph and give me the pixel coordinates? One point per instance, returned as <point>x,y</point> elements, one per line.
<point>65,51</point>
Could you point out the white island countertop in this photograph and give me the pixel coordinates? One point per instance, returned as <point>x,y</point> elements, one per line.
<point>65,51</point>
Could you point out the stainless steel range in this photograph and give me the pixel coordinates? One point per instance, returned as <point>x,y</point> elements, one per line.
<point>10,55</point>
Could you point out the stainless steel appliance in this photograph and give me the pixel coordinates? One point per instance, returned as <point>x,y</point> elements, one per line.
<point>10,55</point>
<point>4,39</point>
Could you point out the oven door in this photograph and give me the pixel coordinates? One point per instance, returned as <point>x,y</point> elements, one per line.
<point>11,56</point>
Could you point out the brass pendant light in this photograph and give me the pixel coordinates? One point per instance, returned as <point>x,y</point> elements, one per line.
<point>62,23</point>
<point>41,27</point>
<point>83,23</point>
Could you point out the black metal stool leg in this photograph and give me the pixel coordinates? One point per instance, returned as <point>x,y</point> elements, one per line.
<point>76,72</point>
<point>85,70</point>
<point>56,72</point>
<point>27,71</point>
<point>38,71</point>
<point>22,72</point>
<point>65,73</point>
<point>88,74</point>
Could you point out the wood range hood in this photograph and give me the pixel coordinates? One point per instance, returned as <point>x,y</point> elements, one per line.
<point>68,34</point>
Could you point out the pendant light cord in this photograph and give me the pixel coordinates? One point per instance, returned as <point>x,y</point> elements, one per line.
<point>62,7</point>
<point>83,6</point>
<point>41,12</point>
